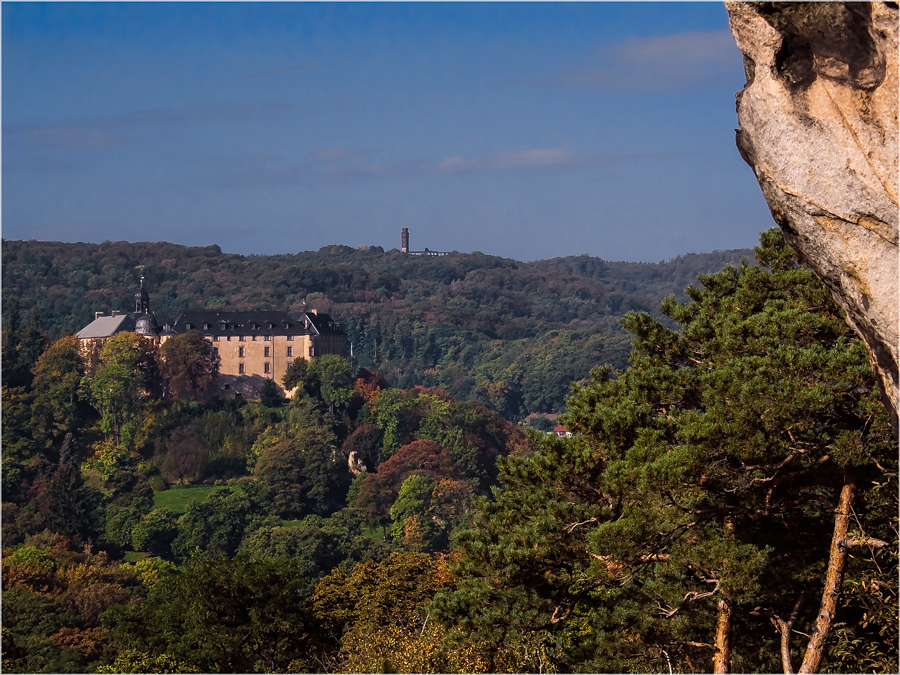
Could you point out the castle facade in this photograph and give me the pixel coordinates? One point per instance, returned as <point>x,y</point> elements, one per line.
<point>252,346</point>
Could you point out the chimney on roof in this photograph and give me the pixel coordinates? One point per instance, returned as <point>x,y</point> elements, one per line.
<point>97,315</point>
<point>312,311</point>
<point>115,312</point>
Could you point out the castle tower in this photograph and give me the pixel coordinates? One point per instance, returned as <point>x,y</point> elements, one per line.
<point>404,240</point>
<point>141,300</point>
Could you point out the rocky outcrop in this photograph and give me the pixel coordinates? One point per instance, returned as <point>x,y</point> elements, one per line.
<point>818,125</point>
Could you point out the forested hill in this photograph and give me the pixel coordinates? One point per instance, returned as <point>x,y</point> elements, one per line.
<point>653,280</point>
<point>512,334</point>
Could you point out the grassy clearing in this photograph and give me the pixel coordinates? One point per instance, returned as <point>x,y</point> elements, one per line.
<point>178,498</point>
<point>134,556</point>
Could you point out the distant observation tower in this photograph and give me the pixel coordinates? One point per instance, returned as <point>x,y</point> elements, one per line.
<point>404,246</point>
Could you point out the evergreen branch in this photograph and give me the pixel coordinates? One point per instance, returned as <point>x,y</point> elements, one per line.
<point>554,619</point>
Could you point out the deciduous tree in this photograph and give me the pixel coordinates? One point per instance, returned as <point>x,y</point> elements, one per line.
<point>189,366</point>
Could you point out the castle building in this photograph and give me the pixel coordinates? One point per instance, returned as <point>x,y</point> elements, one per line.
<point>252,346</point>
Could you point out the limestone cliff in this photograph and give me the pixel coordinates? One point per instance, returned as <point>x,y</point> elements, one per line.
<point>818,125</point>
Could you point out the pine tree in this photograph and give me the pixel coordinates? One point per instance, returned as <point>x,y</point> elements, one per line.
<point>12,372</point>
<point>71,505</point>
<point>709,494</point>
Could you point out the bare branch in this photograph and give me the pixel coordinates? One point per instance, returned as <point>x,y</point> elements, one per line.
<point>570,527</point>
<point>688,643</point>
<point>850,542</point>
<point>692,596</point>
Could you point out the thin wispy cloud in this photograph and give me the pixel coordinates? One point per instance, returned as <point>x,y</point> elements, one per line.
<point>663,64</point>
<point>529,160</point>
<point>342,165</point>
<point>114,130</point>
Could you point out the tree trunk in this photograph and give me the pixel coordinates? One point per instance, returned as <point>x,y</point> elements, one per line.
<point>786,628</point>
<point>834,578</point>
<point>722,657</point>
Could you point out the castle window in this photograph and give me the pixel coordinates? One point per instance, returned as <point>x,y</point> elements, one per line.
<point>311,351</point>
<point>205,326</point>
<point>240,338</point>
<point>268,337</point>
<point>227,338</point>
<point>216,350</point>
<point>240,368</point>
<point>289,362</point>
<point>215,338</point>
<point>266,367</point>
<point>290,351</point>
<point>240,352</point>
<point>266,353</point>
<point>290,337</point>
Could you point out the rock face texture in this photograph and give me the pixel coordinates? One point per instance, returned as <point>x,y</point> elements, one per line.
<point>818,125</point>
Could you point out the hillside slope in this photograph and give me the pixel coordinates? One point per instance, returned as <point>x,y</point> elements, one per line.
<point>510,333</point>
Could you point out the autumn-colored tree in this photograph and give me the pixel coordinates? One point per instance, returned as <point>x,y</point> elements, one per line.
<point>375,620</point>
<point>189,366</point>
<point>52,600</point>
<point>378,491</point>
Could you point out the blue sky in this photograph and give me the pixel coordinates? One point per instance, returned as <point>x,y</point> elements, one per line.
<point>522,130</point>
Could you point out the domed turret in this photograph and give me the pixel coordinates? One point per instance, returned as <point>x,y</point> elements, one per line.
<point>146,325</point>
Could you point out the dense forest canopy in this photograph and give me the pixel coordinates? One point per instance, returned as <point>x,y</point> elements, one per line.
<point>728,502</point>
<point>477,326</point>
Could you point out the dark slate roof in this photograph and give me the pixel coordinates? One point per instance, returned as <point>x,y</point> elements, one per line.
<point>262,322</point>
<point>210,322</point>
<point>322,324</point>
<point>145,324</point>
